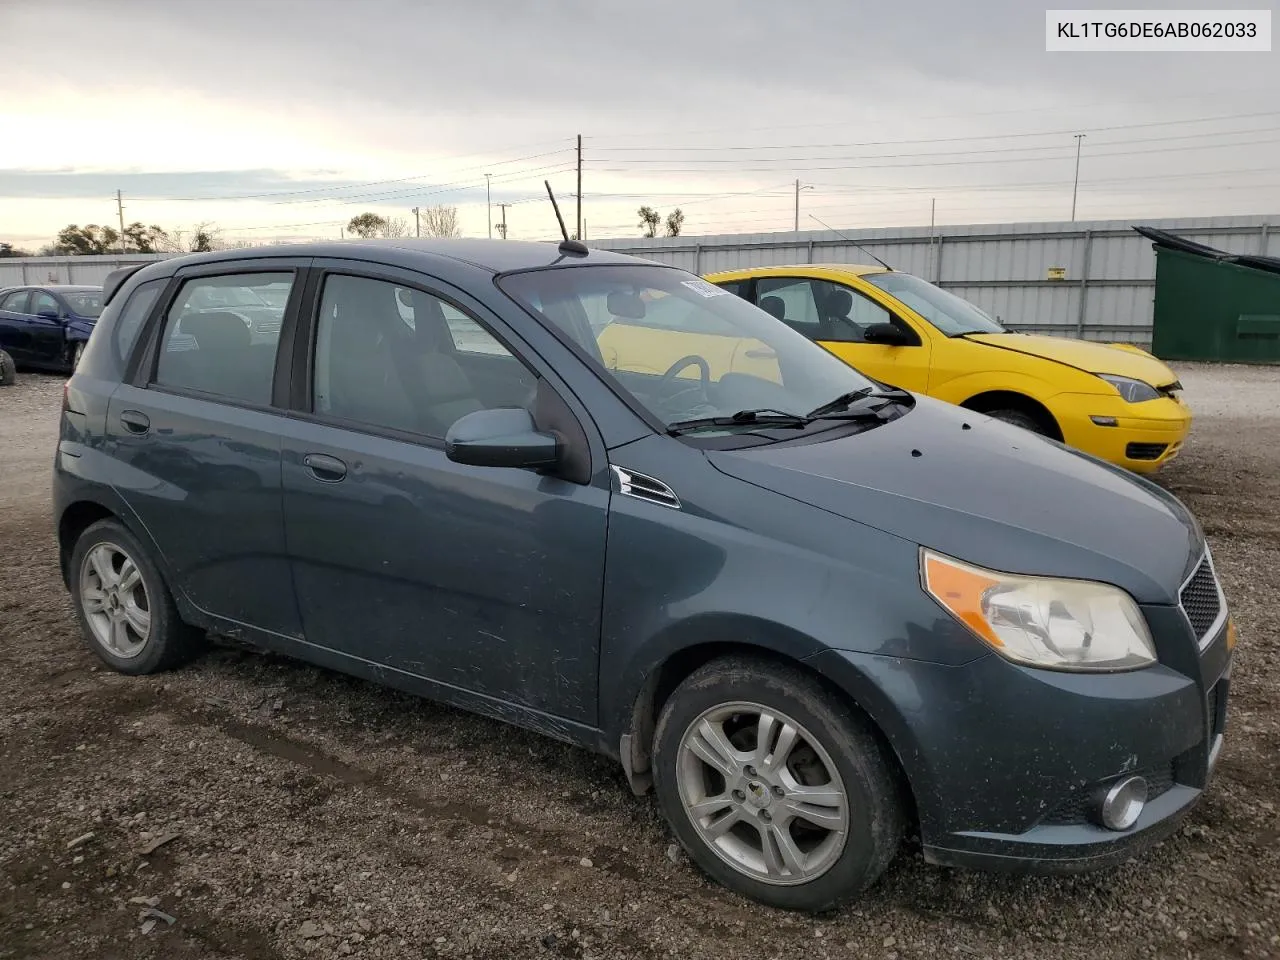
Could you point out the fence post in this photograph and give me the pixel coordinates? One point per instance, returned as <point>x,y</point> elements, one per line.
<point>697,259</point>
<point>937,263</point>
<point>1263,240</point>
<point>1084,282</point>
<point>24,272</point>
<point>809,251</point>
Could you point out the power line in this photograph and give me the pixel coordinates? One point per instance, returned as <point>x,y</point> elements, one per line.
<point>941,163</point>
<point>649,134</point>
<point>964,152</point>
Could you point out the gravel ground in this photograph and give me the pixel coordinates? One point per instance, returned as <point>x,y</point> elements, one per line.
<point>275,810</point>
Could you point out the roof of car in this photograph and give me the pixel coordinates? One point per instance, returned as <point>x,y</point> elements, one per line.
<point>497,256</point>
<point>67,287</point>
<point>799,269</point>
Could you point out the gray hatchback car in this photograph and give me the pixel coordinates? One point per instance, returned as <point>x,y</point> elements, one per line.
<point>603,499</point>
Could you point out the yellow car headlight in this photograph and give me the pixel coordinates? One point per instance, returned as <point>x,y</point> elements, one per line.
<point>1042,621</point>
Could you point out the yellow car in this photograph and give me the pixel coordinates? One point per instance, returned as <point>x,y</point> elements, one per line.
<point>1116,402</point>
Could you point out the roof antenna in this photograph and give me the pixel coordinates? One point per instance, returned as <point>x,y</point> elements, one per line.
<point>854,242</point>
<point>566,245</point>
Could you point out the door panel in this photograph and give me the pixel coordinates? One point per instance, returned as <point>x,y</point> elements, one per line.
<point>199,445</point>
<point>905,367</point>
<point>204,479</point>
<point>48,342</point>
<point>15,334</point>
<point>486,579</point>
<point>835,315</point>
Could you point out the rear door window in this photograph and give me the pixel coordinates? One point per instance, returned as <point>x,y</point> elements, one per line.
<point>42,300</point>
<point>15,302</point>
<point>221,334</point>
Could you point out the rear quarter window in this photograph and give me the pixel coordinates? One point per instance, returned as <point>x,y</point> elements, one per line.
<point>132,316</point>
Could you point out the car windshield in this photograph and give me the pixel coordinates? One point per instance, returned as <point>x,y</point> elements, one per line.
<point>682,347</point>
<point>84,303</point>
<point>944,310</point>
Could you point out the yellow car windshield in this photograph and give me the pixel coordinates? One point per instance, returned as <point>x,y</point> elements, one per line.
<point>681,347</point>
<point>949,313</point>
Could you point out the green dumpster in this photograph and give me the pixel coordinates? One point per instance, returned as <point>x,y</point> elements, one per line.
<point>1213,305</point>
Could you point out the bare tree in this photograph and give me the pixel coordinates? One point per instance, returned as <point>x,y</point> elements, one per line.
<point>440,221</point>
<point>201,238</point>
<point>395,227</point>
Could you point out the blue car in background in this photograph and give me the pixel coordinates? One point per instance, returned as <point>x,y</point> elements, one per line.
<point>47,327</point>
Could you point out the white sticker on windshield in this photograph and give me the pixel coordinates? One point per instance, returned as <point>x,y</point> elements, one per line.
<point>704,288</point>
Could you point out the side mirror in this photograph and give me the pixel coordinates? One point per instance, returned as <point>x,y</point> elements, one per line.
<point>886,334</point>
<point>500,438</point>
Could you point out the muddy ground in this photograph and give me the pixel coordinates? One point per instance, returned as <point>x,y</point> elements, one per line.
<point>305,813</point>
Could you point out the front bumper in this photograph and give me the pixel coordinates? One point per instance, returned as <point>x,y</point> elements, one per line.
<point>1002,759</point>
<point>1146,435</point>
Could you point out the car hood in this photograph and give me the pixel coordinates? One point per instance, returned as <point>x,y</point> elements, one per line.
<point>991,494</point>
<point>1090,357</point>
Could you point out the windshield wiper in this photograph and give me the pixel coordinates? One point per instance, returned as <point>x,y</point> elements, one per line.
<point>747,418</point>
<point>842,402</point>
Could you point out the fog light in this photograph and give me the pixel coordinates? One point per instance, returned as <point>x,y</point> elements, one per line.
<point>1122,804</point>
<point>1105,421</point>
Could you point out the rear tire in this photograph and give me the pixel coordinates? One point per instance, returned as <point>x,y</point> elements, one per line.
<point>8,370</point>
<point>806,820</point>
<point>1019,418</point>
<point>124,607</point>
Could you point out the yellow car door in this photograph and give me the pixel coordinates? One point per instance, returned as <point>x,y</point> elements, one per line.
<point>857,329</point>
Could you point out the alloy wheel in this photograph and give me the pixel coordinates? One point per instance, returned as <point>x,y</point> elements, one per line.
<point>115,602</point>
<point>763,793</point>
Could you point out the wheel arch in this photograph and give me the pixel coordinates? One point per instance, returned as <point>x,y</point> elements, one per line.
<point>990,400</point>
<point>661,680</point>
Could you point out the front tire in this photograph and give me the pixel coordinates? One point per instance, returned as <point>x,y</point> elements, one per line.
<point>76,353</point>
<point>777,789</point>
<point>1019,418</point>
<point>125,610</point>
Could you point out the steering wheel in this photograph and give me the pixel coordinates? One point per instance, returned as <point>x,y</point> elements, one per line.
<point>700,387</point>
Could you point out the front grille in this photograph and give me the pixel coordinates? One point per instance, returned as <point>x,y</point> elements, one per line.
<point>1076,808</point>
<point>1200,599</point>
<point>1144,451</point>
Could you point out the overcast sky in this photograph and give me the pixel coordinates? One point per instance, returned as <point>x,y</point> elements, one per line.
<point>318,110</point>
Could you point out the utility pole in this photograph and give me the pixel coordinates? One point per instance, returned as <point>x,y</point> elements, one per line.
<point>579,233</point>
<point>1076,186</point>
<point>798,189</point>
<point>502,227</point>
<point>417,223</point>
<point>488,204</point>
<point>120,211</point>
<point>933,207</point>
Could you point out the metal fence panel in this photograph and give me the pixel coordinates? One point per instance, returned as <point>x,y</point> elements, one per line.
<point>1106,293</point>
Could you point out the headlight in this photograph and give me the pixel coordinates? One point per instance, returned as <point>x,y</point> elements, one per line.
<point>1042,621</point>
<point>1134,391</point>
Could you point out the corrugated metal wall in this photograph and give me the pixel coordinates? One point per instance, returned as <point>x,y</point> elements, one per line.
<point>17,271</point>
<point>1106,294</point>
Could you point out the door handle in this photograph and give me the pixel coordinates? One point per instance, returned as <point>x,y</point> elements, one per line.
<point>135,421</point>
<point>325,468</point>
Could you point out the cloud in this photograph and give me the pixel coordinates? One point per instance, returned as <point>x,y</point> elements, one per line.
<point>249,96</point>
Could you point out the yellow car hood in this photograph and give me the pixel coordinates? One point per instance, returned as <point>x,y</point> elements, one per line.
<point>1090,357</point>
